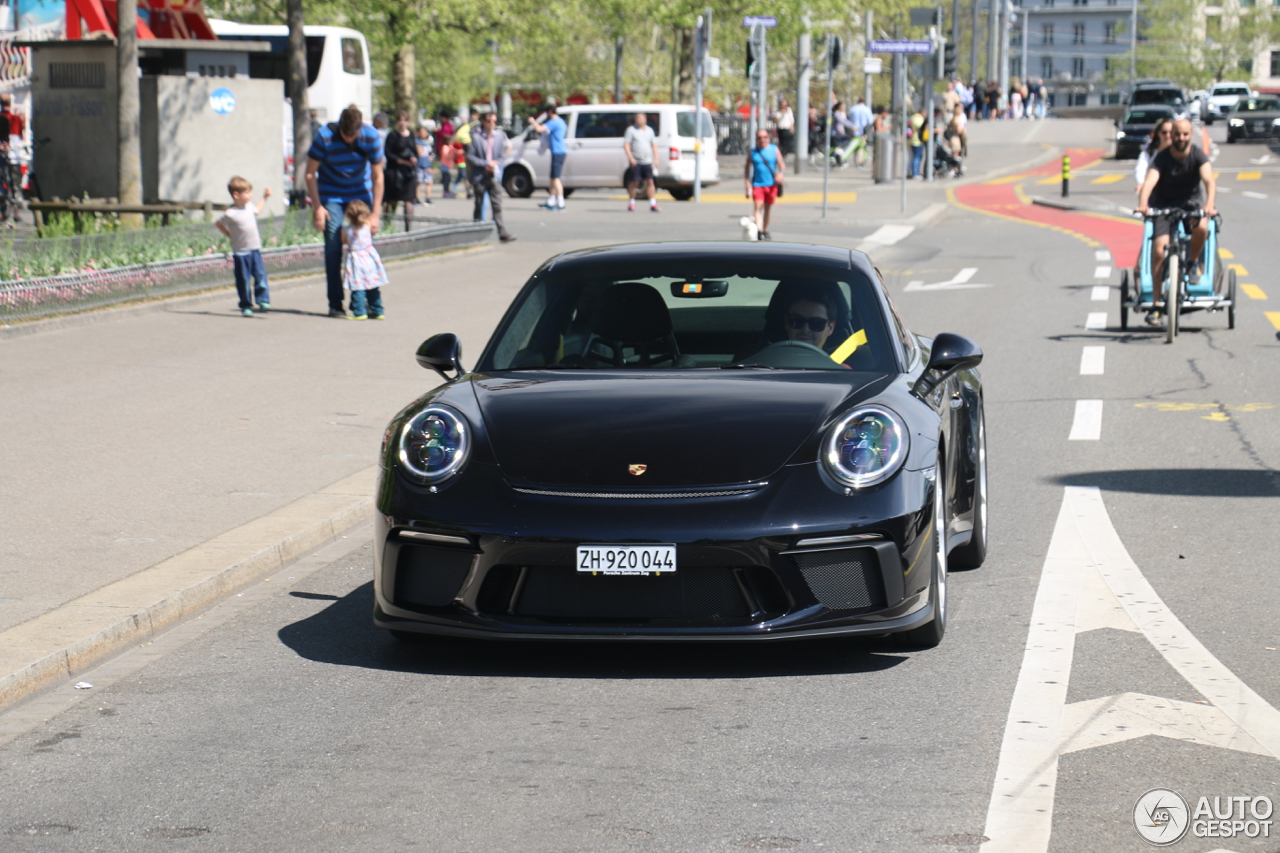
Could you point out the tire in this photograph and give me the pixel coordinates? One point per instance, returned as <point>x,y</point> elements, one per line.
<point>517,183</point>
<point>1231,294</point>
<point>1124,300</point>
<point>1231,140</point>
<point>930,634</point>
<point>973,554</point>
<point>1171,296</point>
<point>681,193</point>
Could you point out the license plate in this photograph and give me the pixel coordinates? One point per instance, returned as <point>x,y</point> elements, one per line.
<point>627,559</point>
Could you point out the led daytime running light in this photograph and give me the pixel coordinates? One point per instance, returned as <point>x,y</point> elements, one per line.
<point>434,444</point>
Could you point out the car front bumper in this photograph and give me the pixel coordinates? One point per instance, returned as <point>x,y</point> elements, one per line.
<point>745,567</point>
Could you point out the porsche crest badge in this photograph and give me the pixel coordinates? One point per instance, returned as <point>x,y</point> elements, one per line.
<point>637,470</point>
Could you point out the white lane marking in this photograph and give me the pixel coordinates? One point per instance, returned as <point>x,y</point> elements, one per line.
<point>957,282</point>
<point>1092,360</point>
<point>1096,320</point>
<point>1101,293</point>
<point>1102,272</point>
<point>887,235</point>
<point>1088,577</point>
<point>1112,719</point>
<point>1225,189</point>
<point>1260,161</point>
<point>1102,255</point>
<point>1251,194</point>
<point>1087,423</point>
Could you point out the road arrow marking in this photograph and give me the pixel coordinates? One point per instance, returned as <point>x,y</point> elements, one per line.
<point>959,281</point>
<point>1041,726</point>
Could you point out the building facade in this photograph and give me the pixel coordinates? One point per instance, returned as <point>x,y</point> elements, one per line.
<point>1072,45</point>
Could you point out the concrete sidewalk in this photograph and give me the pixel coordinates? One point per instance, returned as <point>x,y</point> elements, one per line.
<point>201,451</point>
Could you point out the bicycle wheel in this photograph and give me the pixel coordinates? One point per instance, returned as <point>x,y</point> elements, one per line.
<point>1172,271</point>
<point>861,159</point>
<point>1231,295</point>
<point>1124,300</point>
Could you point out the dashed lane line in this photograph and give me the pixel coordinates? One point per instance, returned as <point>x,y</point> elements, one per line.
<point>1090,581</point>
<point>1225,253</point>
<point>1102,272</point>
<point>1253,291</point>
<point>1087,423</point>
<point>1248,176</point>
<point>1248,194</point>
<point>1101,293</point>
<point>1110,179</point>
<point>1274,317</point>
<point>1092,360</point>
<point>1102,255</point>
<point>1239,268</point>
<point>1096,320</point>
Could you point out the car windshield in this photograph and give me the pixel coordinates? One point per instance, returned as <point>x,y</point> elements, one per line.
<point>1157,96</point>
<point>1258,105</point>
<point>693,313</point>
<point>1231,90</point>
<point>1147,116</point>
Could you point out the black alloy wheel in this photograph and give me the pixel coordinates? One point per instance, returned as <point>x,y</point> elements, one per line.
<point>930,634</point>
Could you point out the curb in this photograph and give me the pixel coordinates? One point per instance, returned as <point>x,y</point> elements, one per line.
<point>63,642</point>
<point>105,313</point>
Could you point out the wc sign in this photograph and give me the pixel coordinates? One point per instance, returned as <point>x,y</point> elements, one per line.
<point>222,101</point>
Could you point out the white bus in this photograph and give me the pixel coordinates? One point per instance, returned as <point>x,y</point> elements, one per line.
<point>337,64</point>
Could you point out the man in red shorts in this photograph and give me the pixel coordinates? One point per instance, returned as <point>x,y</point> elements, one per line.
<point>763,177</point>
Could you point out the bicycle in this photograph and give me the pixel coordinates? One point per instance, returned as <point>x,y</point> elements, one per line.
<point>854,152</point>
<point>1183,289</point>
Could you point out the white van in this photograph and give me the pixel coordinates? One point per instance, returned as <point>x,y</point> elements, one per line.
<point>596,158</point>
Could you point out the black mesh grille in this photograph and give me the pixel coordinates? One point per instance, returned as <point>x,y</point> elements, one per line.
<point>700,592</point>
<point>845,579</point>
<point>429,577</point>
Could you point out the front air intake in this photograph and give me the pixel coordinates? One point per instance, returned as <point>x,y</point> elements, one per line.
<point>843,579</point>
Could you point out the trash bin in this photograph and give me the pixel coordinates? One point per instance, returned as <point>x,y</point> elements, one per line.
<point>886,155</point>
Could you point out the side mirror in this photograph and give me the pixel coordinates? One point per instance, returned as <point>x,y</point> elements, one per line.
<point>950,353</point>
<point>442,353</point>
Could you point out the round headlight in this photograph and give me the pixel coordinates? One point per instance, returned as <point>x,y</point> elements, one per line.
<point>865,447</point>
<point>434,444</point>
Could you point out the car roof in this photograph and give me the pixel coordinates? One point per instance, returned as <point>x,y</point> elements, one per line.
<point>804,252</point>
<point>621,108</point>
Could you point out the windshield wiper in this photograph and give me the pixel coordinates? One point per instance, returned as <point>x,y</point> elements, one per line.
<point>748,366</point>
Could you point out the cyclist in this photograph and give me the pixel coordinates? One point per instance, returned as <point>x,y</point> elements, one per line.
<point>1173,181</point>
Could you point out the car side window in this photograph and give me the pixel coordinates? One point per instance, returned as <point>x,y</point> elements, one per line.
<point>905,337</point>
<point>601,125</point>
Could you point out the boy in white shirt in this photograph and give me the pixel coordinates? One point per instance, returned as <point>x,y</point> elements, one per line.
<point>240,224</point>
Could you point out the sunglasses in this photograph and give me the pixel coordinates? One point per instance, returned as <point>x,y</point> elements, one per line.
<point>815,324</point>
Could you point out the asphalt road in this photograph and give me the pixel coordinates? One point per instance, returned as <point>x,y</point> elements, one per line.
<point>282,720</point>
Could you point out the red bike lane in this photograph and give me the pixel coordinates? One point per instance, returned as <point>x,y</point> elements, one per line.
<point>1005,199</point>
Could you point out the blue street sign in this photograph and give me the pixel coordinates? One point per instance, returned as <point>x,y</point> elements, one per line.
<point>767,21</point>
<point>901,46</point>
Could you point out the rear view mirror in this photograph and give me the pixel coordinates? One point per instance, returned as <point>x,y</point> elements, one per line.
<point>442,353</point>
<point>699,289</point>
<point>950,353</point>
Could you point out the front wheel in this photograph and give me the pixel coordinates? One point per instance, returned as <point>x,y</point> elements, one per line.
<point>1231,295</point>
<point>681,193</point>
<point>1171,296</point>
<point>517,183</point>
<point>930,634</point>
<point>972,554</point>
<point>1124,300</point>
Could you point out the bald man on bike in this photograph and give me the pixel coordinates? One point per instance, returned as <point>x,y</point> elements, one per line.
<point>1174,180</point>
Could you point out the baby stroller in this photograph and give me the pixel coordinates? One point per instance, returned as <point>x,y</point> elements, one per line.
<point>945,162</point>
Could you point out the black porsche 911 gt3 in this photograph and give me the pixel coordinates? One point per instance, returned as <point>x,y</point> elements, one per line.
<point>693,441</point>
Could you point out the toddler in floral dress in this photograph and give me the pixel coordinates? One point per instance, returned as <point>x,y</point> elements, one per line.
<point>362,270</point>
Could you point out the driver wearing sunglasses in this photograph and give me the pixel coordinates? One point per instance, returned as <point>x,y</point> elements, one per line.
<point>808,321</point>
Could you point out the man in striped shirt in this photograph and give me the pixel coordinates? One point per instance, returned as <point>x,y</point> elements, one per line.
<point>344,165</point>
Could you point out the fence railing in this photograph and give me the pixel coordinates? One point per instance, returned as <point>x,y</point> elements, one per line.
<point>41,297</point>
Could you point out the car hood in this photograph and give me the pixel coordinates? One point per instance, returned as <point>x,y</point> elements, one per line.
<point>591,429</point>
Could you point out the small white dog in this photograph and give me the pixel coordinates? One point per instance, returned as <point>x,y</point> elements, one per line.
<point>750,231</point>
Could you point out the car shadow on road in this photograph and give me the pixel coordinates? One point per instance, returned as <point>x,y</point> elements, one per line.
<point>1190,482</point>
<point>343,634</point>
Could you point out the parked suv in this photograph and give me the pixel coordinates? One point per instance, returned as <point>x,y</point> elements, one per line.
<point>1222,99</point>
<point>596,158</point>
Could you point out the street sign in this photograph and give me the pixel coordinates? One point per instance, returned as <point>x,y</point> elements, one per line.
<point>872,65</point>
<point>763,20</point>
<point>901,46</point>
